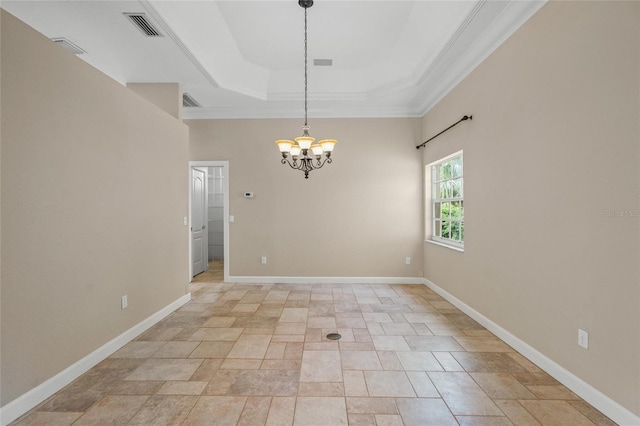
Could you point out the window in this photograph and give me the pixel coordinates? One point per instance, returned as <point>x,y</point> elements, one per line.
<point>447,204</point>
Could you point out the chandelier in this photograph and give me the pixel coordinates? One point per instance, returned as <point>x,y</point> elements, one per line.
<point>306,155</point>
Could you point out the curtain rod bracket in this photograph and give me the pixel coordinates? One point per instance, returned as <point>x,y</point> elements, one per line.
<point>466,117</point>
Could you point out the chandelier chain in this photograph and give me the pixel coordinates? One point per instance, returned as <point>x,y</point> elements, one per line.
<point>303,154</point>
<point>305,67</point>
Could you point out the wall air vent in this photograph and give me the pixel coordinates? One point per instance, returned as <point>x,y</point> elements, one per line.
<point>323,62</point>
<point>189,102</point>
<point>67,45</point>
<point>143,24</point>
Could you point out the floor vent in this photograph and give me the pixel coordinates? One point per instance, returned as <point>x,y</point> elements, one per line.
<point>67,45</point>
<point>143,24</point>
<point>188,101</point>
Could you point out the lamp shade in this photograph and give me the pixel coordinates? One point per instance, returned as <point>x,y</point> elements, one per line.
<point>284,145</point>
<point>305,141</point>
<point>316,149</point>
<point>328,144</point>
<point>295,150</point>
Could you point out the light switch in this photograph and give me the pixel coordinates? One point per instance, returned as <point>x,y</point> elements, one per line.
<point>231,219</point>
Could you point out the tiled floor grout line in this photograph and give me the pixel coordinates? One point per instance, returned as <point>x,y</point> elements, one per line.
<point>415,358</point>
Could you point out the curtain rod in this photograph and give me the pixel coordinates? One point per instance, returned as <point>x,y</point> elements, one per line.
<point>466,117</point>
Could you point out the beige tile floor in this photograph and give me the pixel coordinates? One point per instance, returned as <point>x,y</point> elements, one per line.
<point>215,273</point>
<point>241,354</point>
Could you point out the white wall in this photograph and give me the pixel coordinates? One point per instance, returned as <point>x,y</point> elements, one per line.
<point>215,212</point>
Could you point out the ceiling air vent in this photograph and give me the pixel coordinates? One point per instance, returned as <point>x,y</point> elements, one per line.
<point>143,24</point>
<point>323,62</point>
<point>188,101</point>
<point>67,45</point>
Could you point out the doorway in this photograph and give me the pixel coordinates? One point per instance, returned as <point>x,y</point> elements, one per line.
<point>208,217</point>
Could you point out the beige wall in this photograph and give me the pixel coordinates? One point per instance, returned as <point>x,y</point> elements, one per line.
<point>93,198</point>
<point>359,216</point>
<point>553,146</point>
<point>166,96</point>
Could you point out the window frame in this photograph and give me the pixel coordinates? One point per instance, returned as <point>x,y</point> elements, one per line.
<point>435,221</point>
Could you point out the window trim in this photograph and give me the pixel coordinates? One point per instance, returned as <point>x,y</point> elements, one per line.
<point>449,246</point>
<point>430,206</point>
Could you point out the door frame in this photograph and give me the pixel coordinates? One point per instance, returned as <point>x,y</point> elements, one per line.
<point>225,188</point>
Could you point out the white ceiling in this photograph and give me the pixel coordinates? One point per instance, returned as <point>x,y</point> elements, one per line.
<point>245,59</point>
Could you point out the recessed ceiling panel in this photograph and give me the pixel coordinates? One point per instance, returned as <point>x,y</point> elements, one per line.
<point>242,59</point>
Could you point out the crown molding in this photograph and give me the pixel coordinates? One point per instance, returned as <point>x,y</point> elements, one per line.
<point>336,111</point>
<point>455,68</point>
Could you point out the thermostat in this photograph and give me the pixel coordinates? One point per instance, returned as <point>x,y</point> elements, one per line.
<point>248,195</point>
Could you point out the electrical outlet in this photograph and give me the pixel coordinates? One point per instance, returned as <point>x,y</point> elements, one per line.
<point>583,338</point>
<point>264,260</point>
<point>124,302</point>
<point>408,260</point>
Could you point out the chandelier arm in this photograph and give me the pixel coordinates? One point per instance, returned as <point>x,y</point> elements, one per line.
<point>294,165</point>
<point>322,162</point>
<point>286,161</point>
<point>308,165</point>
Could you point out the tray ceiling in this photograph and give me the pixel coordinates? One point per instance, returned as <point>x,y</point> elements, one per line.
<point>245,59</point>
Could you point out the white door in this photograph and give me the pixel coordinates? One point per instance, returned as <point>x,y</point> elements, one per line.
<point>199,246</point>
<point>225,215</point>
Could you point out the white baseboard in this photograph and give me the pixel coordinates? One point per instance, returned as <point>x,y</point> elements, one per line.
<point>35,396</point>
<point>325,280</point>
<point>602,402</point>
<point>606,405</point>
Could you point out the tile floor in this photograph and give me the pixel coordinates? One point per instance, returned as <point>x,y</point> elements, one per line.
<point>215,273</point>
<point>241,354</point>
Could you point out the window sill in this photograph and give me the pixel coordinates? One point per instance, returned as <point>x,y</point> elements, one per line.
<point>460,249</point>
